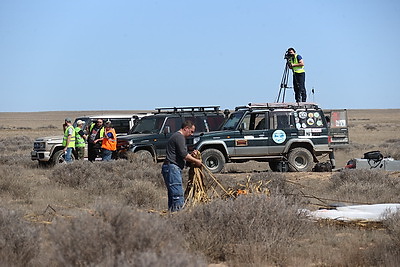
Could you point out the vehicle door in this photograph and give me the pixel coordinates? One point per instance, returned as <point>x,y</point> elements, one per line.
<point>282,128</point>
<point>170,126</point>
<point>338,130</point>
<point>252,139</point>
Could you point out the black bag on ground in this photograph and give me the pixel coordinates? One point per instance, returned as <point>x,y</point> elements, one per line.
<point>374,155</point>
<point>323,167</point>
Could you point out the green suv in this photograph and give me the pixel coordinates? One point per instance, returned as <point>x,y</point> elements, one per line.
<point>150,135</point>
<point>284,134</point>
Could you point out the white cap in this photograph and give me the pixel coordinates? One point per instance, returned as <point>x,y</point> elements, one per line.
<point>80,122</point>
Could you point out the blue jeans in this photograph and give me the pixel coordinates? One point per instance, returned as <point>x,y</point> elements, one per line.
<point>106,154</point>
<point>68,153</point>
<point>173,181</point>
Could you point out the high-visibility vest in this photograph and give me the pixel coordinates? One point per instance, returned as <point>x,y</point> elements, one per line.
<point>297,69</point>
<point>101,130</point>
<point>110,143</point>
<point>79,140</point>
<point>72,140</point>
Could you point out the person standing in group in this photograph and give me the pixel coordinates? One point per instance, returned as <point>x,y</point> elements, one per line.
<point>95,132</point>
<point>68,139</point>
<point>176,155</point>
<point>295,62</point>
<point>109,142</point>
<point>80,140</point>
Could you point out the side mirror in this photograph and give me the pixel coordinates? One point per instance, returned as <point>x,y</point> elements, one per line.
<point>167,130</point>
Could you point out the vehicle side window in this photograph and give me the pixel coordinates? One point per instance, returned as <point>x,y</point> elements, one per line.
<point>120,125</point>
<point>254,121</point>
<point>215,122</point>
<point>173,123</point>
<point>281,120</point>
<point>198,122</point>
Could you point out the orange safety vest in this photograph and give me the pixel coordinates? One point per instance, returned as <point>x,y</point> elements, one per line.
<point>109,143</point>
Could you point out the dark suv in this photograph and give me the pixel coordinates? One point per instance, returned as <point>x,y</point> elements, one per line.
<point>283,134</point>
<point>150,135</point>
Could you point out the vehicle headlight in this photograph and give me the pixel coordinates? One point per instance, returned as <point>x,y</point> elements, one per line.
<point>39,145</point>
<point>195,140</point>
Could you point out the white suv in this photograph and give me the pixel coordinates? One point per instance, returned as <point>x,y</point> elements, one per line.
<point>49,150</point>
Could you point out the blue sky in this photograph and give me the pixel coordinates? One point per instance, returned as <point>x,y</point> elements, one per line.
<point>138,55</point>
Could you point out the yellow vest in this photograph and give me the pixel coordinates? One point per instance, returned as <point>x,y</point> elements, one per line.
<point>298,69</point>
<point>101,130</point>
<point>79,140</point>
<point>72,140</point>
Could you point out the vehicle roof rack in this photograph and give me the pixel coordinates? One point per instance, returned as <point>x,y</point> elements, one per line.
<point>271,106</point>
<point>188,109</point>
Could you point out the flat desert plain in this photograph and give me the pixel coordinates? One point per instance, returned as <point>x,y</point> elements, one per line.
<point>369,129</point>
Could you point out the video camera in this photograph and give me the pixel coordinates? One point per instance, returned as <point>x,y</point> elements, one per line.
<point>287,55</point>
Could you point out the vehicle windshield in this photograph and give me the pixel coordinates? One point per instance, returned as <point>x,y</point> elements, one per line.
<point>232,122</point>
<point>147,125</point>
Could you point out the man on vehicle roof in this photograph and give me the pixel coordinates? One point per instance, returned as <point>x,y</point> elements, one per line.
<point>295,62</point>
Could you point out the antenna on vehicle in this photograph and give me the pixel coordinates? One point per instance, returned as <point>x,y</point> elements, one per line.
<point>312,92</point>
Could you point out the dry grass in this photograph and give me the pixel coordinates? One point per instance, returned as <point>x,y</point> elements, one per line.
<point>104,214</point>
<point>251,230</point>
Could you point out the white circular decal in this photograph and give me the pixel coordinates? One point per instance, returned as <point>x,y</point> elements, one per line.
<point>279,136</point>
<point>303,115</point>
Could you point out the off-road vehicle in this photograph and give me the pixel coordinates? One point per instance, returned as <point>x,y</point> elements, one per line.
<point>150,135</point>
<point>284,134</point>
<point>49,150</point>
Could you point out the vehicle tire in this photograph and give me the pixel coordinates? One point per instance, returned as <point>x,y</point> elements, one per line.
<point>213,159</point>
<point>59,157</point>
<point>300,160</point>
<point>145,155</point>
<point>273,165</point>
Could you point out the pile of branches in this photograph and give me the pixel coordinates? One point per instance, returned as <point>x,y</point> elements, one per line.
<point>203,186</point>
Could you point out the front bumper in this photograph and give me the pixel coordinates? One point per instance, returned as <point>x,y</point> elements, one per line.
<point>40,155</point>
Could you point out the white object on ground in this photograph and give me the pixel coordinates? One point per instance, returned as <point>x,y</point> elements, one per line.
<point>373,212</point>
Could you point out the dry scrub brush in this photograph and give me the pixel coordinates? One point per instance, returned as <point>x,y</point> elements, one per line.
<point>15,151</point>
<point>387,251</point>
<point>13,184</point>
<point>19,240</point>
<point>15,143</point>
<point>364,186</point>
<point>391,148</point>
<point>252,229</point>
<point>115,235</point>
<point>132,183</point>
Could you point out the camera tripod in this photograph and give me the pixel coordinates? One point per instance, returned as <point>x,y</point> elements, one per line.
<point>284,81</point>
